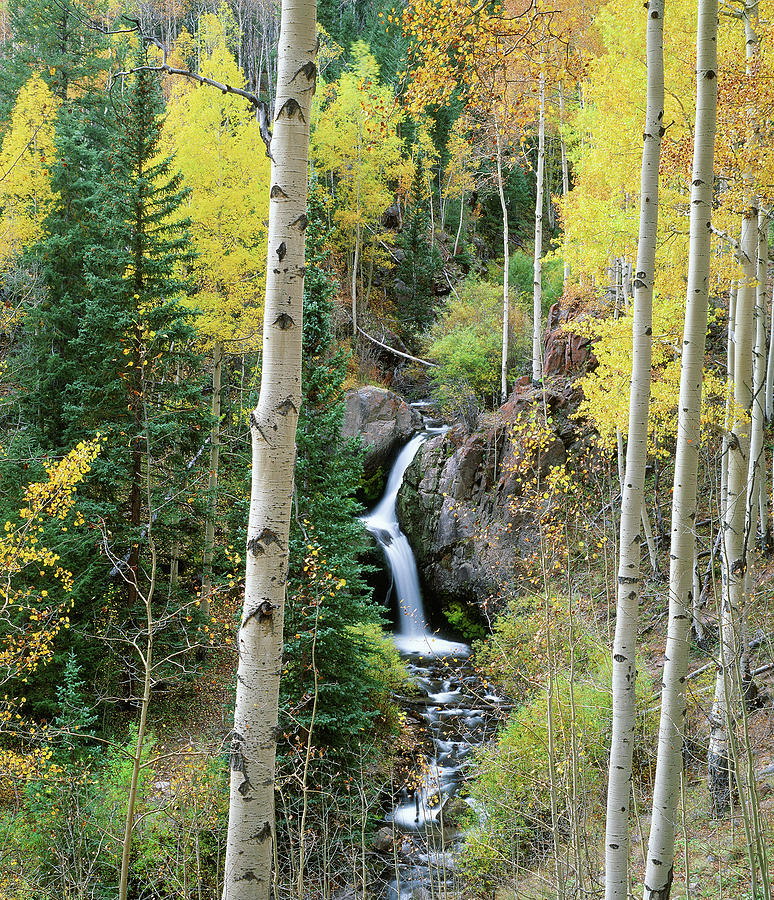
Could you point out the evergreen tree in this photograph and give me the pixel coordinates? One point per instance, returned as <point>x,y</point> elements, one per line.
<point>109,349</point>
<point>326,537</point>
<point>416,303</point>
<point>51,37</point>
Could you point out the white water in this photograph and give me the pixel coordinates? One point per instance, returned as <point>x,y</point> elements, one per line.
<point>413,637</point>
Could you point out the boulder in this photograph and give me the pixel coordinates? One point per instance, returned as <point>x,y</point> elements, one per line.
<point>383,840</point>
<point>382,419</point>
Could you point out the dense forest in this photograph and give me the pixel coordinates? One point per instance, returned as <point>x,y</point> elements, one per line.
<point>386,449</point>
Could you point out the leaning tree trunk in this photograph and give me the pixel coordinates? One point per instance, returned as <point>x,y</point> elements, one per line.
<point>537,288</point>
<point>661,846</point>
<point>506,264</point>
<point>633,486</point>
<point>250,838</point>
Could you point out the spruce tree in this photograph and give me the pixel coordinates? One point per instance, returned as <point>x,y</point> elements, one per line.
<point>109,350</point>
<point>51,37</point>
<point>328,473</point>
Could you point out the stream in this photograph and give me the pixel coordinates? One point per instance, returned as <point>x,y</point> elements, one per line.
<point>453,710</point>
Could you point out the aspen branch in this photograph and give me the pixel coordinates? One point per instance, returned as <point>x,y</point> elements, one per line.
<point>416,359</point>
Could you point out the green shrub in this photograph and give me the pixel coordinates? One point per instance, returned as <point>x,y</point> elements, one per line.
<point>521,273</point>
<point>511,786</point>
<point>466,341</point>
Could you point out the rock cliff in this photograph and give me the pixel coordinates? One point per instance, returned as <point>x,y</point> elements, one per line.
<point>383,420</point>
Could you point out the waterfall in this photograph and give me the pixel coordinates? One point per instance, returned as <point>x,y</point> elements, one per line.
<point>414,636</point>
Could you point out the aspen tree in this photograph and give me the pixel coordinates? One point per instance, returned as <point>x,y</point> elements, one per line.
<point>537,288</point>
<point>632,493</point>
<point>250,839</point>
<point>740,495</point>
<point>506,264</point>
<point>660,857</point>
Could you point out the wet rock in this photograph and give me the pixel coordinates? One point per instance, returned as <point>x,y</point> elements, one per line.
<point>459,502</point>
<point>382,419</point>
<point>383,840</point>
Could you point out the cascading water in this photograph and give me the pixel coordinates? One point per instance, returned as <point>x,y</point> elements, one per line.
<point>413,635</point>
<point>456,711</point>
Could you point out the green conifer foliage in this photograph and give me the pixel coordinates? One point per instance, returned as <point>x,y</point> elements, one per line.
<point>327,538</point>
<point>110,350</point>
<point>52,37</point>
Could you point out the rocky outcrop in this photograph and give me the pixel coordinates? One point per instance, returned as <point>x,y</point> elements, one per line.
<point>565,353</point>
<point>382,419</point>
<point>459,506</point>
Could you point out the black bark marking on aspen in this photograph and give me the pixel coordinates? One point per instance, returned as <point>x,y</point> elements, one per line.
<point>291,108</point>
<point>276,193</point>
<point>282,251</point>
<point>613,846</point>
<point>301,222</point>
<point>258,544</point>
<point>249,875</point>
<point>628,579</point>
<point>262,833</point>
<point>619,657</point>
<point>308,70</point>
<point>286,406</point>
<point>262,612</point>
<point>710,75</point>
<point>660,893</point>
<point>245,787</point>
<point>236,758</point>
<point>284,321</point>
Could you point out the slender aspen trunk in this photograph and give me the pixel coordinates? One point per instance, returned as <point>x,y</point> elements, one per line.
<point>459,227</point>
<point>659,869</point>
<point>736,539</point>
<point>633,485</point>
<point>740,521</point>
<point>506,266</point>
<point>212,481</point>
<point>759,380</point>
<point>537,288</point>
<point>730,347</point>
<point>770,363</point>
<point>565,170</point>
<point>250,839</point>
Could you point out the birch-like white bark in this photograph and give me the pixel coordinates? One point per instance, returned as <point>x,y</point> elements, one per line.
<point>537,287</point>
<point>249,844</point>
<point>730,345</point>
<point>633,483</point>
<point>741,497</point>
<point>659,868</point>
<point>735,543</point>
<point>770,364</point>
<point>506,265</point>
<point>565,171</point>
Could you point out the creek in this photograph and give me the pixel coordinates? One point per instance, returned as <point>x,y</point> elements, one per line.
<point>453,712</point>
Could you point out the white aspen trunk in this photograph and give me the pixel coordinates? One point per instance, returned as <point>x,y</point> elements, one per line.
<point>212,482</point>
<point>633,486</point>
<point>735,538</point>
<point>537,288</point>
<point>506,274</point>
<point>565,171</point>
<point>730,346</point>
<point>741,500</point>
<point>459,227</point>
<point>761,387</point>
<point>770,364</point>
<point>756,474</point>
<point>250,839</point>
<point>355,263</point>
<point>659,869</point>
